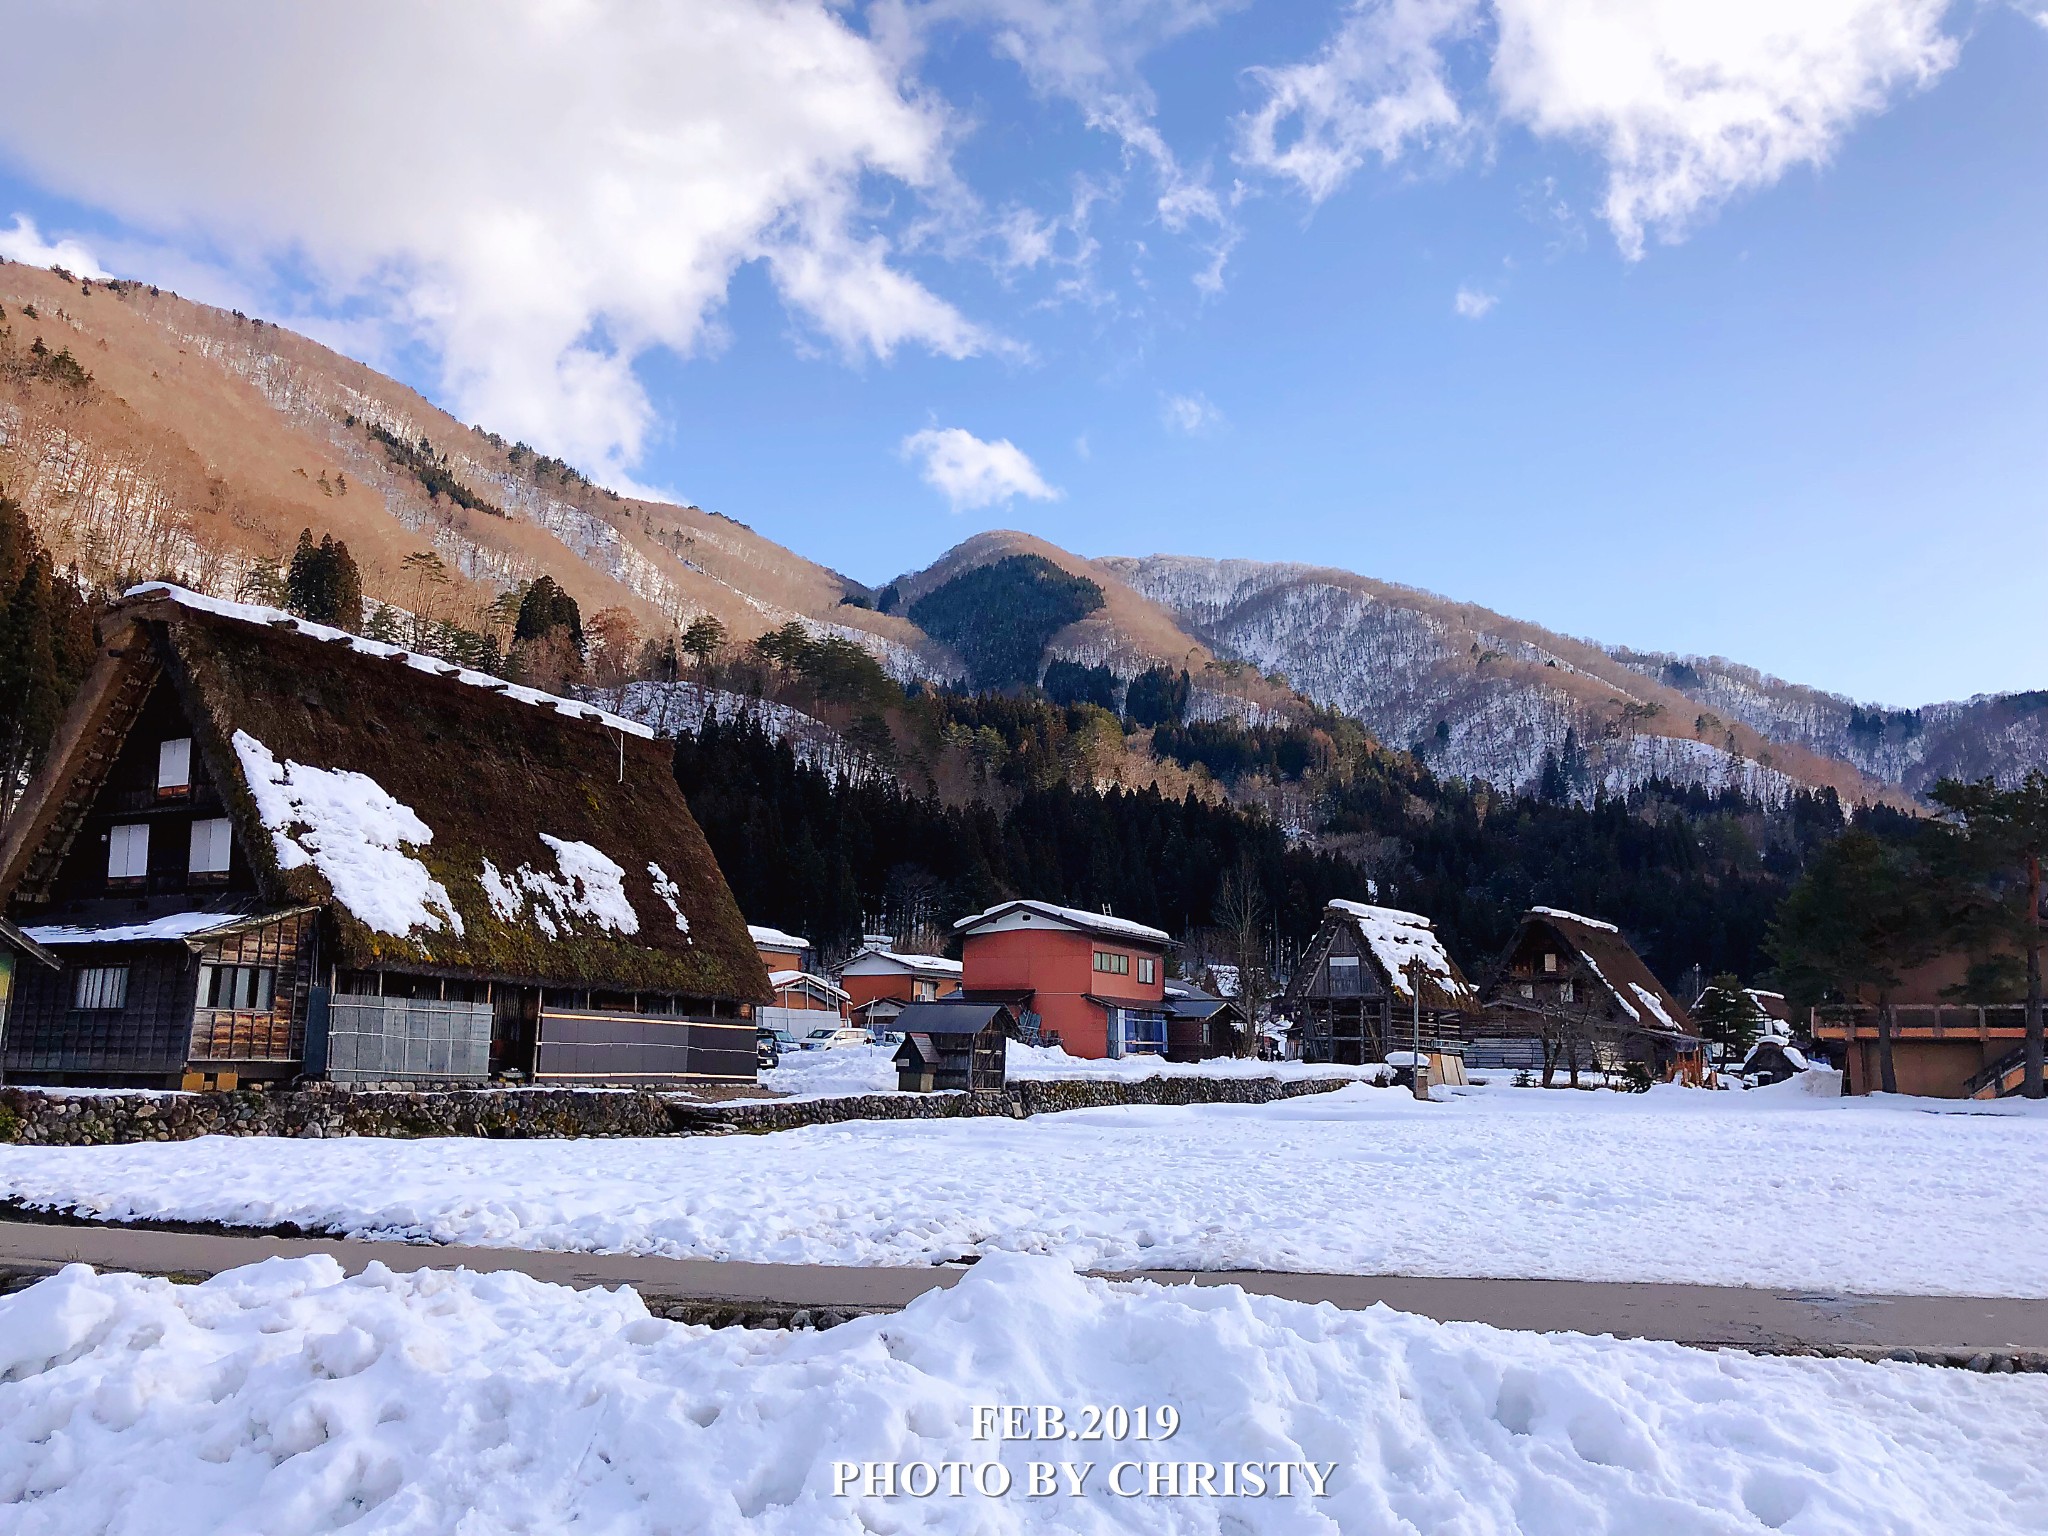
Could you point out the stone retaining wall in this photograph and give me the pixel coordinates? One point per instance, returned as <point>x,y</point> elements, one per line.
<point>32,1117</point>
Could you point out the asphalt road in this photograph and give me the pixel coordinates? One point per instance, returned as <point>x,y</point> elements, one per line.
<point>711,1290</point>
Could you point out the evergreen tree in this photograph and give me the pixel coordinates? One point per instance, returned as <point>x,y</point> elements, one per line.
<point>322,583</point>
<point>1157,696</point>
<point>704,638</point>
<point>46,649</point>
<point>2003,837</point>
<point>544,608</point>
<point>1728,1016</point>
<point>1859,918</point>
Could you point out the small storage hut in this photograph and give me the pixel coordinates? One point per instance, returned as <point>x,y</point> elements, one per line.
<point>263,848</point>
<point>962,1046</point>
<point>1353,996</point>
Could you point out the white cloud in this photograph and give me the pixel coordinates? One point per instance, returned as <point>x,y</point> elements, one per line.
<point>540,193</point>
<point>971,473</point>
<point>1191,414</point>
<point>1089,52</point>
<point>24,244</point>
<point>1688,104</point>
<point>1474,303</point>
<point>1378,87</point>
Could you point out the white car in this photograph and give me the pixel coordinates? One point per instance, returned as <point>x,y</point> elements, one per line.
<point>826,1039</point>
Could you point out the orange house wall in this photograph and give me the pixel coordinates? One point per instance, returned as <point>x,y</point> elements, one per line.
<point>865,989</point>
<point>1058,966</point>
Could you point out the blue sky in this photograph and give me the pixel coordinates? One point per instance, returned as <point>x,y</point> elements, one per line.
<point>1715,330</point>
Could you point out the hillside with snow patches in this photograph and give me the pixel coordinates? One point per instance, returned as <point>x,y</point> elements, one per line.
<point>208,439</point>
<point>1998,736</point>
<point>1474,693</point>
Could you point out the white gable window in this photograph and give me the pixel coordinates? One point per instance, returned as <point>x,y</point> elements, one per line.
<point>1550,963</point>
<point>174,764</point>
<point>128,851</point>
<point>103,988</point>
<point>210,842</point>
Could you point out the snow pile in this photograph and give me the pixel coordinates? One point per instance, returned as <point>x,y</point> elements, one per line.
<point>1400,939</point>
<point>286,1397</point>
<point>669,892</point>
<point>589,885</point>
<point>251,613</point>
<point>348,826</point>
<point>1866,1196</point>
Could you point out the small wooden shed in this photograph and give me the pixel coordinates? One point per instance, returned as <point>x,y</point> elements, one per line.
<point>954,1045</point>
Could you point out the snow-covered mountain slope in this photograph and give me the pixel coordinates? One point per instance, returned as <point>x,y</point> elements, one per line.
<point>2000,736</point>
<point>1477,694</point>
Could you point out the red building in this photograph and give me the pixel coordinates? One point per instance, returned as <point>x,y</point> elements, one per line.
<point>879,981</point>
<point>1095,981</point>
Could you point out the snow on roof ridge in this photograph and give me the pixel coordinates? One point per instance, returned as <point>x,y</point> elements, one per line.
<point>914,962</point>
<point>254,613</point>
<point>776,938</point>
<point>174,925</point>
<point>1102,922</point>
<point>1372,909</point>
<point>1573,917</point>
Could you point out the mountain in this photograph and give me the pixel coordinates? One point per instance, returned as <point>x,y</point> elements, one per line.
<point>1474,693</point>
<point>206,440</point>
<point>1998,736</point>
<point>148,435</point>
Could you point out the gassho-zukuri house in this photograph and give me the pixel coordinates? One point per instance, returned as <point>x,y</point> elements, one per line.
<point>1580,973</point>
<point>263,848</point>
<point>1355,994</point>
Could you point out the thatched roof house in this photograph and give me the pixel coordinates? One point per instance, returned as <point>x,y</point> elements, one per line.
<point>393,825</point>
<point>1356,989</point>
<point>1562,960</point>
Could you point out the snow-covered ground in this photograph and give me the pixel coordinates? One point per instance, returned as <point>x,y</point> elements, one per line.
<point>283,1397</point>
<point>1768,1188</point>
<point>870,1069</point>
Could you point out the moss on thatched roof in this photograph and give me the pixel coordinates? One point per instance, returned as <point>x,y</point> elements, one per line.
<point>559,848</point>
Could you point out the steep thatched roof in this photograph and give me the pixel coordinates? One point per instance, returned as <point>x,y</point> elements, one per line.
<point>449,822</point>
<point>1614,963</point>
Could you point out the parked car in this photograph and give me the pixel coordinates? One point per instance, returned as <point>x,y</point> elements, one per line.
<point>827,1039</point>
<point>767,1050</point>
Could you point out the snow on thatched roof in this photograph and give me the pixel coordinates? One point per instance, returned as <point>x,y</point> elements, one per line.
<point>1638,995</point>
<point>449,822</point>
<point>1397,940</point>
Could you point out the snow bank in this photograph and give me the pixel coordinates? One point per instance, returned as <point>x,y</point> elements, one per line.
<point>351,829</point>
<point>1770,1188</point>
<point>284,1397</point>
<point>870,1069</point>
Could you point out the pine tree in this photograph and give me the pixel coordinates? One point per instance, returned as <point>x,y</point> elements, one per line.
<point>1727,1016</point>
<point>46,648</point>
<point>545,607</point>
<point>2004,838</point>
<point>1859,918</point>
<point>304,592</point>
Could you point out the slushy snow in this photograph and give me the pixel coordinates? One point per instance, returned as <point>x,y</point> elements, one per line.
<point>1767,1188</point>
<point>285,1397</point>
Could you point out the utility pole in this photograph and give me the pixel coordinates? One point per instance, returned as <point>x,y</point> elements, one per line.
<point>1418,1073</point>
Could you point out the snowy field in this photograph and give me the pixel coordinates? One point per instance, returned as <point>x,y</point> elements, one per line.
<point>283,1397</point>
<point>1768,1188</point>
<point>870,1069</point>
